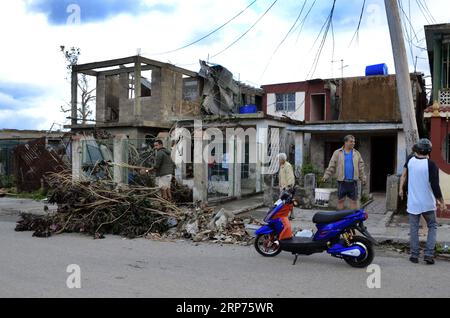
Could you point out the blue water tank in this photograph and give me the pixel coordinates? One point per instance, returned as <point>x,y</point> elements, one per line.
<point>377,69</point>
<point>248,109</point>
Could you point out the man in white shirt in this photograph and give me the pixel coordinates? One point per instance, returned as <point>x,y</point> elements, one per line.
<point>423,194</point>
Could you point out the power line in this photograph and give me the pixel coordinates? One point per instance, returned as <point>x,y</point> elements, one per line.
<point>304,20</point>
<point>248,30</point>
<point>425,10</point>
<point>408,19</point>
<point>284,39</point>
<point>408,37</point>
<point>359,23</point>
<point>210,33</point>
<point>328,23</point>
<point>422,10</point>
<point>428,10</point>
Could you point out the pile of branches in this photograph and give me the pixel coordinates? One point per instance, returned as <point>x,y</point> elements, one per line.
<point>99,207</point>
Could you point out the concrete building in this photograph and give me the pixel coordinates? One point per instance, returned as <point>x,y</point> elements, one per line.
<point>366,107</point>
<point>136,96</point>
<point>138,99</point>
<point>437,115</point>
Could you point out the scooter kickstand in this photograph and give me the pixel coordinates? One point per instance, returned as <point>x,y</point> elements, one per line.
<point>295,259</point>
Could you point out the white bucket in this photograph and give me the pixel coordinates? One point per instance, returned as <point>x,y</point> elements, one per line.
<point>322,196</point>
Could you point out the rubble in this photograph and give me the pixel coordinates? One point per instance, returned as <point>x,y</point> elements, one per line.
<point>98,207</point>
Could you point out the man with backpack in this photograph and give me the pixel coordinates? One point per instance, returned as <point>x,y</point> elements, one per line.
<point>424,193</point>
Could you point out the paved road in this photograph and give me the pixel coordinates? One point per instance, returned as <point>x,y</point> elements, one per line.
<point>116,267</point>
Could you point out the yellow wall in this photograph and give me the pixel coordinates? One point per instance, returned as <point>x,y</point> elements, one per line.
<point>444,180</point>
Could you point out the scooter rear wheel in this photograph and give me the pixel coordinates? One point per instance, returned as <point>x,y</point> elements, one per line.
<point>267,246</point>
<point>364,261</point>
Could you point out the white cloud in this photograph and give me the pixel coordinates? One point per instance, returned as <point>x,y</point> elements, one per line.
<point>31,53</point>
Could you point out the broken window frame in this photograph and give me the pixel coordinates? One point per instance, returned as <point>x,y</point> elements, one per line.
<point>131,85</point>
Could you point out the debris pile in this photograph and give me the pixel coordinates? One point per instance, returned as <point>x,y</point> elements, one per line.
<point>202,225</point>
<point>99,207</point>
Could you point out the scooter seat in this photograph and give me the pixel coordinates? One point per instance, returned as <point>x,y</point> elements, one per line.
<point>329,217</point>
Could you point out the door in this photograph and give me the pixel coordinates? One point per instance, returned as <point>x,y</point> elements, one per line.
<point>383,153</point>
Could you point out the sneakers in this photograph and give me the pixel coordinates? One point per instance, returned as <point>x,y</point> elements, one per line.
<point>429,260</point>
<point>414,259</point>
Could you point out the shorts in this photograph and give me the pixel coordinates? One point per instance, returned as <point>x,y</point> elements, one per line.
<point>164,182</point>
<point>347,189</point>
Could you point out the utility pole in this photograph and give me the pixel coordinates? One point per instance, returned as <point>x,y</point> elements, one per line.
<point>402,72</point>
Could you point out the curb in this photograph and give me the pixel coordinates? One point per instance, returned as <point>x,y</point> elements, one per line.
<point>363,206</point>
<point>247,209</point>
<point>388,218</point>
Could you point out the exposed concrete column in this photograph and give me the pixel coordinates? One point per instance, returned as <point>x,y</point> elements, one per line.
<point>74,93</point>
<point>200,192</point>
<point>239,159</point>
<point>307,146</point>
<point>125,114</point>
<point>299,139</point>
<point>392,189</point>
<point>181,152</point>
<point>262,134</point>
<point>100,99</point>
<point>77,152</point>
<point>137,89</point>
<point>120,155</point>
<point>402,152</point>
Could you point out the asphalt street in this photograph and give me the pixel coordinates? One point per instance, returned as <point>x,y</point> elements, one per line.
<point>117,267</point>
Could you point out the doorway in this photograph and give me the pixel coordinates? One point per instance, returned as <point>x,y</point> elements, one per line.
<point>382,159</point>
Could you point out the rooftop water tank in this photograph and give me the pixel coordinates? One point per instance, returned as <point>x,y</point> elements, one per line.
<point>248,109</point>
<point>377,69</point>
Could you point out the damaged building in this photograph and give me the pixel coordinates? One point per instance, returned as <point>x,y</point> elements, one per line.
<point>366,107</point>
<point>138,99</point>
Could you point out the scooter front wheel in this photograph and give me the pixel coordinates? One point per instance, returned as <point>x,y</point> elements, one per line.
<point>364,260</point>
<point>267,245</point>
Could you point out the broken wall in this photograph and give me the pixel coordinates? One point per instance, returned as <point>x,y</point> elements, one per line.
<point>371,98</point>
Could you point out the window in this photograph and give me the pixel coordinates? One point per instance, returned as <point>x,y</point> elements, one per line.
<point>146,85</point>
<point>285,102</point>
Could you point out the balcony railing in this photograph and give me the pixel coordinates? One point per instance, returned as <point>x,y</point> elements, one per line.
<point>444,97</point>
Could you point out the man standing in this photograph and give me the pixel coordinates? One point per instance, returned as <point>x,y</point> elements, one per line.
<point>286,176</point>
<point>164,169</point>
<point>348,165</point>
<point>424,193</point>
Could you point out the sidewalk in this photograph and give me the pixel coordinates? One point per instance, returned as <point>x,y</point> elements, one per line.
<point>10,208</point>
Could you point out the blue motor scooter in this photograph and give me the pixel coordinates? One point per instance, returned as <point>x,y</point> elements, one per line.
<point>336,234</point>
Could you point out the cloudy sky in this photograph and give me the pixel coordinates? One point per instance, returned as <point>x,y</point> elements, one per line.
<point>32,69</point>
